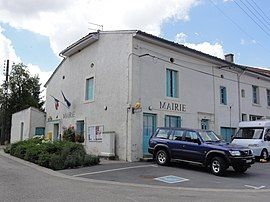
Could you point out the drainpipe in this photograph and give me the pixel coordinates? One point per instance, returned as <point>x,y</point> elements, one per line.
<point>239,92</point>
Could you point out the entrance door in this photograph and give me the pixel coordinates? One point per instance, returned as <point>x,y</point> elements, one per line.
<point>56,132</point>
<point>227,133</point>
<point>149,127</point>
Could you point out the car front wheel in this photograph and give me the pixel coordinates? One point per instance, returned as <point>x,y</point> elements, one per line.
<point>264,154</point>
<point>218,166</point>
<point>162,157</point>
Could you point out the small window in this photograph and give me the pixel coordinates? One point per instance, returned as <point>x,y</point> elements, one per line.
<point>223,95</point>
<point>191,136</point>
<point>254,117</point>
<point>268,97</point>
<point>80,128</point>
<point>244,117</point>
<point>162,133</point>
<point>89,94</point>
<point>205,124</point>
<point>178,134</point>
<point>171,83</point>
<point>40,131</point>
<point>243,93</point>
<point>255,94</point>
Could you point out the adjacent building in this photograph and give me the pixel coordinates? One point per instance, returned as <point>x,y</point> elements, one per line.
<point>127,83</point>
<point>27,123</point>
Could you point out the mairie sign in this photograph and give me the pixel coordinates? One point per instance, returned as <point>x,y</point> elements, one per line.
<point>172,106</point>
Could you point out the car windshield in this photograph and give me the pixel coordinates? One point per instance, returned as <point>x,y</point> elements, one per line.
<point>249,133</point>
<point>210,136</point>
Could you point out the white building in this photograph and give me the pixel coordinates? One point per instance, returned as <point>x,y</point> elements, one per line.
<point>27,123</point>
<point>130,82</point>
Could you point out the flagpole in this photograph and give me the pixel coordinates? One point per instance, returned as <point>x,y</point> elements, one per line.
<point>60,102</point>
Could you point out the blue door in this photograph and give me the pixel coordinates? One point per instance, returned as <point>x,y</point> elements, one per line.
<point>227,133</point>
<point>149,127</point>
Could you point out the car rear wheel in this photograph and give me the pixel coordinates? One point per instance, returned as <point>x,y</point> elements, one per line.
<point>218,166</point>
<point>162,157</point>
<point>264,154</point>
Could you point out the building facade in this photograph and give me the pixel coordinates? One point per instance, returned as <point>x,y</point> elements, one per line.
<point>130,82</point>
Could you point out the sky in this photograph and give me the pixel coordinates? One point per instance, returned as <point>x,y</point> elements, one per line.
<point>34,32</point>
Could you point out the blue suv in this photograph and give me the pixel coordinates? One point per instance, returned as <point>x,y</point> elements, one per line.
<point>199,147</point>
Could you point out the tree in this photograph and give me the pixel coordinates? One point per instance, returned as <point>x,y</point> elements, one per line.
<point>23,92</point>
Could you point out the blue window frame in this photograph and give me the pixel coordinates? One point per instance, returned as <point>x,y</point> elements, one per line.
<point>80,128</point>
<point>223,95</point>
<point>205,124</point>
<point>89,94</point>
<point>173,121</point>
<point>268,97</point>
<point>255,94</point>
<point>39,131</point>
<point>171,83</point>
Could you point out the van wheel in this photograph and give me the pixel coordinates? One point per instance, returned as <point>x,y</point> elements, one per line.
<point>264,154</point>
<point>162,157</point>
<point>218,166</point>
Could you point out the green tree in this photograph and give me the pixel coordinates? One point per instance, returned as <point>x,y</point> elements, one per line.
<point>23,92</point>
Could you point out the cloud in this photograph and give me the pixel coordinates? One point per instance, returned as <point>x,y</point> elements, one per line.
<point>7,51</point>
<point>247,42</point>
<point>181,37</point>
<point>215,49</point>
<point>65,21</point>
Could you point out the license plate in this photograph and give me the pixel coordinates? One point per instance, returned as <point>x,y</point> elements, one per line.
<point>249,161</point>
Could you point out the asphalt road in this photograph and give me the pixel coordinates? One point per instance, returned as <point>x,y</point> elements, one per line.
<point>21,181</point>
<point>258,176</point>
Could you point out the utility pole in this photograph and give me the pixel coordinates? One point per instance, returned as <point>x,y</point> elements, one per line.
<point>5,135</point>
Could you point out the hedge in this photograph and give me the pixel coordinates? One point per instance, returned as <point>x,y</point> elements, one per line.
<point>56,155</point>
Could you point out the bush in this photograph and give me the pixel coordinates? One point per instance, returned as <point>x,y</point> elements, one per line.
<point>56,155</point>
<point>8,148</point>
<point>69,134</point>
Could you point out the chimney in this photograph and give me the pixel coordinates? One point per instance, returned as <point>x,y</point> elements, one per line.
<point>229,57</point>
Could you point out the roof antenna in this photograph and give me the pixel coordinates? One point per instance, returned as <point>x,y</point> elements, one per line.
<point>98,27</point>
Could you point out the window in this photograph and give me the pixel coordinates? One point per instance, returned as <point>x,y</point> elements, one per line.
<point>173,121</point>
<point>80,128</point>
<point>39,131</point>
<point>205,124</point>
<point>162,133</point>
<point>254,117</point>
<point>243,93</point>
<point>178,134</point>
<point>191,136</point>
<point>223,95</point>
<point>171,83</point>
<point>249,133</point>
<point>268,97</point>
<point>255,94</point>
<point>89,94</point>
<point>244,117</point>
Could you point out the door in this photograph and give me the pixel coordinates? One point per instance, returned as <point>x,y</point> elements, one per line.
<point>192,150</point>
<point>176,143</point>
<point>227,133</point>
<point>149,127</point>
<point>56,132</point>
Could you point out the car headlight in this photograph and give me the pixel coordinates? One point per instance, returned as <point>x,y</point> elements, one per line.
<point>235,153</point>
<point>253,145</point>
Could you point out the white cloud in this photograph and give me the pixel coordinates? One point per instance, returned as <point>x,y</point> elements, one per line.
<point>66,21</point>
<point>215,49</point>
<point>247,42</point>
<point>180,37</point>
<point>7,51</point>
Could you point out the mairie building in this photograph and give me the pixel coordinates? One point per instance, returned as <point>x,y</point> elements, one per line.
<point>116,87</point>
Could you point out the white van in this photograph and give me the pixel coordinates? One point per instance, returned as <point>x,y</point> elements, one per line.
<point>256,136</point>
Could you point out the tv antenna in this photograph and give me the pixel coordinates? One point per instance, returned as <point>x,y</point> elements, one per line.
<point>98,27</point>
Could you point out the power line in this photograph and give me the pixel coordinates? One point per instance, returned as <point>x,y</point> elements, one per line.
<point>260,10</point>
<point>251,18</point>
<point>255,15</point>
<point>238,26</point>
<point>261,15</point>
